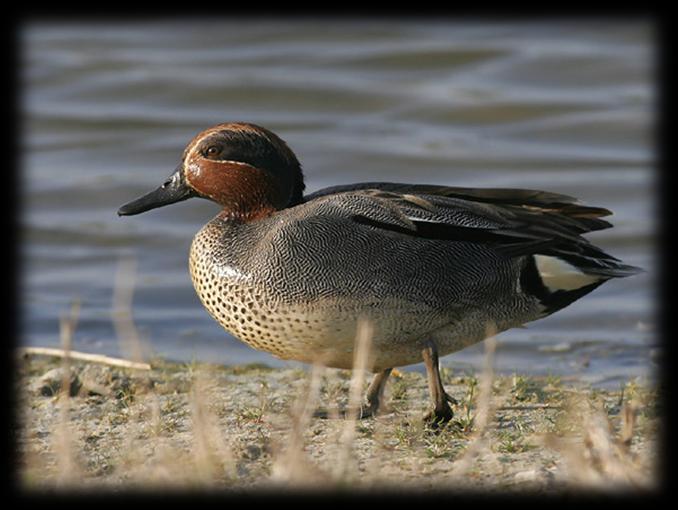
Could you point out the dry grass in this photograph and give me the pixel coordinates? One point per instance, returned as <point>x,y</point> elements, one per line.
<point>68,470</point>
<point>291,466</point>
<point>478,439</point>
<point>598,456</point>
<point>345,468</point>
<point>202,427</point>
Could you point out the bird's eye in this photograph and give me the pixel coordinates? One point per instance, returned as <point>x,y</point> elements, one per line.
<point>212,150</point>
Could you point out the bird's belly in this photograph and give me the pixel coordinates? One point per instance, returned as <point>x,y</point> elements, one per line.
<point>277,313</point>
<point>323,332</point>
<point>319,331</point>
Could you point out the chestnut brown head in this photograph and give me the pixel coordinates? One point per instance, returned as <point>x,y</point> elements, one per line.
<point>245,168</point>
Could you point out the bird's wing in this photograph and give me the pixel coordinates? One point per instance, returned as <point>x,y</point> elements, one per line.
<point>515,222</point>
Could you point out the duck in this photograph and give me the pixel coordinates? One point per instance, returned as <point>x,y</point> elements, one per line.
<point>433,269</point>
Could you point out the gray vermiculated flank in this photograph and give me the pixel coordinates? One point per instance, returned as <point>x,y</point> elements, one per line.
<point>295,283</point>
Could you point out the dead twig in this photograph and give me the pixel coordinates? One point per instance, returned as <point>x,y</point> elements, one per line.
<point>82,356</point>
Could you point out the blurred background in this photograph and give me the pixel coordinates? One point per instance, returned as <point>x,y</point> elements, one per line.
<point>107,108</point>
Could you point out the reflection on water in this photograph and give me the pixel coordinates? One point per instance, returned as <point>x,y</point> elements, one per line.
<point>108,107</point>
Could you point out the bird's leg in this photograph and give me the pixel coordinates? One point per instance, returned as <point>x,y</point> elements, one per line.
<point>375,394</point>
<point>442,412</point>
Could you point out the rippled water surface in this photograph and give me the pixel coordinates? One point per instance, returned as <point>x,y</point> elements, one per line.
<point>108,108</point>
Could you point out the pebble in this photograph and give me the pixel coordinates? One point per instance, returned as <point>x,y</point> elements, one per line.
<point>50,383</point>
<point>531,475</point>
<point>252,452</point>
<point>95,380</point>
<point>540,475</point>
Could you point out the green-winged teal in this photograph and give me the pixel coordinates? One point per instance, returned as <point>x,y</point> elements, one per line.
<point>431,267</point>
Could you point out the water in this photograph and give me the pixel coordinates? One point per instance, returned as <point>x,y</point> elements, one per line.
<point>107,109</point>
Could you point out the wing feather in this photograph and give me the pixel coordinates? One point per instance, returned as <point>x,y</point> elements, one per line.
<point>515,222</point>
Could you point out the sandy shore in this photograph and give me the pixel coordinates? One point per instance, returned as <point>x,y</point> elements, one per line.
<point>241,428</point>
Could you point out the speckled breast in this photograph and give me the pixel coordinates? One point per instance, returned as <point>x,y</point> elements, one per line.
<point>296,285</point>
<point>323,331</point>
<point>285,308</point>
<point>235,282</point>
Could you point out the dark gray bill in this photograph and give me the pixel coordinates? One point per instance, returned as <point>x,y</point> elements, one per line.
<point>173,190</point>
